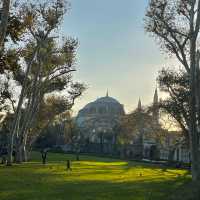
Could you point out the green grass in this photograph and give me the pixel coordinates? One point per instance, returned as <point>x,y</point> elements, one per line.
<point>92,178</point>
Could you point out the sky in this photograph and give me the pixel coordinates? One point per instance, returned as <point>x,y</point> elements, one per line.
<point>115,53</point>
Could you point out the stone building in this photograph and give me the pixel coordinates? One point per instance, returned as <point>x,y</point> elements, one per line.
<point>97,121</point>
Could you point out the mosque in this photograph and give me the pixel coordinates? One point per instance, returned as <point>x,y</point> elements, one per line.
<point>98,122</point>
<point>98,119</point>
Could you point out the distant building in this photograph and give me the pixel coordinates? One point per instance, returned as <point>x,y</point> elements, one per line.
<point>97,123</point>
<point>98,119</point>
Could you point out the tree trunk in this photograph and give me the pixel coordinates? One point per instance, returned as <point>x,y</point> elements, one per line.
<point>24,154</point>
<point>19,154</point>
<point>10,150</point>
<point>11,142</point>
<point>17,116</point>
<point>194,139</point>
<point>30,115</point>
<point>24,150</point>
<point>4,22</point>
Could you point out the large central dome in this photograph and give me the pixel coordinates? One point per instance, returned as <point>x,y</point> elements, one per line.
<point>107,99</point>
<point>100,116</point>
<point>102,106</point>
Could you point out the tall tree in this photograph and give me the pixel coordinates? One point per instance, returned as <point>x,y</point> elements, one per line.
<point>54,113</point>
<point>141,125</point>
<point>40,31</point>
<point>175,24</point>
<point>176,85</point>
<point>45,67</point>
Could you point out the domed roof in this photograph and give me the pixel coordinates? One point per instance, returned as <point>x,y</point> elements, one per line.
<point>105,110</point>
<point>103,105</point>
<point>103,101</point>
<point>106,99</point>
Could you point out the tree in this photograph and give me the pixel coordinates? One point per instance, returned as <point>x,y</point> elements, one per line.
<point>175,24</point>
<point>176,86</point>
<point>40,31</point>
<point>54,114</point>
<point>44,68</point>
<point>13,26</point>
<point>141,125</point>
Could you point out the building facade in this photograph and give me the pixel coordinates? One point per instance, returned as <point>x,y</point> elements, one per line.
<point>98,121</point>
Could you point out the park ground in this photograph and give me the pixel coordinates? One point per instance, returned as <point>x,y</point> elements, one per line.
<point>94,178</point>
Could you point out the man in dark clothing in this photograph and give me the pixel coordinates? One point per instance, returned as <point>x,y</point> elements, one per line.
<point>44,155</point>
<point>69,166</point>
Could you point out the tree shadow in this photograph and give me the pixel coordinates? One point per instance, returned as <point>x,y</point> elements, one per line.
<point>53,182</point>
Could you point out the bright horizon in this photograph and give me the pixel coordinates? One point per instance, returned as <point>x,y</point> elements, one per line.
<point>115,53</point>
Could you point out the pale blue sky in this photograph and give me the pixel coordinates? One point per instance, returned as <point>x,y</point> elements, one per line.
<point>115,53</point>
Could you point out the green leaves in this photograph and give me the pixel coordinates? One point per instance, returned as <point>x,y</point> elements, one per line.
<point>15,28</point>
<point>9,60</point>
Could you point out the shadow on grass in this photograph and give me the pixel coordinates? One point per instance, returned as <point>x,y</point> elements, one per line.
<point>33,184</point>
<point>95,179</point>
<point>94,190</point>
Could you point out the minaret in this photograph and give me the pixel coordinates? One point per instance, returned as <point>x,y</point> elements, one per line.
<point>155,107</point>
<point>139,105</point>
<point>155,98</point>
<point>107,93</point>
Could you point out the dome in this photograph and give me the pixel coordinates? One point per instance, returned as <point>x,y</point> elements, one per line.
<point>103,108</point>
<point>107,99</point>
<point>100,116</point>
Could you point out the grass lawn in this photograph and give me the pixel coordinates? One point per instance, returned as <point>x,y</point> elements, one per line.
<point>93,178</point>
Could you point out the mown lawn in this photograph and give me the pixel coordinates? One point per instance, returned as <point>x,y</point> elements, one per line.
<point>93,178</point>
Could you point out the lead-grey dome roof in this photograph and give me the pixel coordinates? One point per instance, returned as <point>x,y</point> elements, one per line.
<point>107,99</point>
<point>103,101</point>
<point>104,113</point>
<point>102,106</point>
